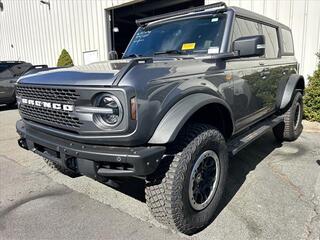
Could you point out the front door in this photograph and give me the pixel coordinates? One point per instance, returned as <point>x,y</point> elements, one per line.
<point>256,78</point>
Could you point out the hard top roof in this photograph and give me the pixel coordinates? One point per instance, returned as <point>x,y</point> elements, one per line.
<point>215,7</point>
<point>256,16</point>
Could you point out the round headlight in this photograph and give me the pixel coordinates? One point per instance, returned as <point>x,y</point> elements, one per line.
<point>114,112</point>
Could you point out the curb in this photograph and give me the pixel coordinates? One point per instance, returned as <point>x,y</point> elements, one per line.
<point>311,126</point>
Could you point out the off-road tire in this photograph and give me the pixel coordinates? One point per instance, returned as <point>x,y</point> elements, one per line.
<point>61,169</point>
<point>167,190</point>
<point>290,129</point>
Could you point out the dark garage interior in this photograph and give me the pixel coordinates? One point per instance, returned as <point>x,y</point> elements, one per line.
<point>123,18</point>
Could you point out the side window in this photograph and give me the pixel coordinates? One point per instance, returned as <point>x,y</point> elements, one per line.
<point>272,44</point>
<point>244,28</point>
<point>287,42</point>
<point>5,74</point>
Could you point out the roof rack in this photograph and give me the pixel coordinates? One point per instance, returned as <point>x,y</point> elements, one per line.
<point>144,21</point>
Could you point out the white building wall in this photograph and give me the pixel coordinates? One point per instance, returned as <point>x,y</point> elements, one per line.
<point>31,32</point>
<point>302,16</point>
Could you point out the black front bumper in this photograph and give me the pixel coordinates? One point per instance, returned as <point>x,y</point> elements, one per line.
<point>92,160</point>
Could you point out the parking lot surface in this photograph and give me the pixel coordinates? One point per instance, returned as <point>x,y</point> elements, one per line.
<point>273,193</point>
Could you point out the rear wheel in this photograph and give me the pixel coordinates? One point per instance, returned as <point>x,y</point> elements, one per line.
<point>290,129</point>
<point>186,194</point>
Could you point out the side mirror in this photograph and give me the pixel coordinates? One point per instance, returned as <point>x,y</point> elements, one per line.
<point>113,55</point>
<point>252,46</point>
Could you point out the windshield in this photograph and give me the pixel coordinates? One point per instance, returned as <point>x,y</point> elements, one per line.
<point>187,36</point>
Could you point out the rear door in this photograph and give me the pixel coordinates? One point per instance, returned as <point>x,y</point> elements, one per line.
<point>272,72</point>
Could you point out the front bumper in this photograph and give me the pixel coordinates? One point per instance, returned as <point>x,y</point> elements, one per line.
<point>95,161</point>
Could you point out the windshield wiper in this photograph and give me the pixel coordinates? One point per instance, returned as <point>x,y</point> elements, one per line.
<point>174,51</point>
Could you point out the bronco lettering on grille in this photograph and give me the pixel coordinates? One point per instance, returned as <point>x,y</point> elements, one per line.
<point>57,106</point>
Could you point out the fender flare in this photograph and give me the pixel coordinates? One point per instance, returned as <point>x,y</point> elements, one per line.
<point>180,113</point>
<point>289,90</point>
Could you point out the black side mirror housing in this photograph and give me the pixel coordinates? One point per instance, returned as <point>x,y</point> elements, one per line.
<point>251,46</point>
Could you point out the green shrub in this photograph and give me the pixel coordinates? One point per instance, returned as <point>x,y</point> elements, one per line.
<point>312,96</point>
<point>64,59</point>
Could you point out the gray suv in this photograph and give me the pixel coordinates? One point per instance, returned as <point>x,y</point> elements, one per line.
<point>193,88</point>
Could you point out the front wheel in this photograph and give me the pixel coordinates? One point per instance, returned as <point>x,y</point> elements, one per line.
<point>186,197</point>
<point>291,127</point>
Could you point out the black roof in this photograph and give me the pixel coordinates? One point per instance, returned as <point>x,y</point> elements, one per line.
<point>256,16</point>
<point>215,7</point>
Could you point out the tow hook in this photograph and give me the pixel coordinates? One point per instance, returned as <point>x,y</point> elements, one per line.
<point>23,143</point>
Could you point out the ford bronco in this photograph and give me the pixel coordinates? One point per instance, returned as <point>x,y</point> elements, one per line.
<point>192,88</point>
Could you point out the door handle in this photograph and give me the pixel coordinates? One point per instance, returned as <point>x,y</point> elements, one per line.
<point>286,71</point>
<point>266,71</point>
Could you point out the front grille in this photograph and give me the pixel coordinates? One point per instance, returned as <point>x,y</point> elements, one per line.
<point>57,95</point>
<point>49,116</point>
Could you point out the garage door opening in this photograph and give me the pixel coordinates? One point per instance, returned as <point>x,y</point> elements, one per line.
<point>122,20</point>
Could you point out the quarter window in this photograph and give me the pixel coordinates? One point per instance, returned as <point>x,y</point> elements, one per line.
<point>287,42</point>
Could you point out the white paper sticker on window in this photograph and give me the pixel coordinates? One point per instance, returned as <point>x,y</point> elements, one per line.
<point>213,50</point>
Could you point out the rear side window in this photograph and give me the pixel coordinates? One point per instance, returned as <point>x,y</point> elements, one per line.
<point>287,42</point>
<point>272,44</point>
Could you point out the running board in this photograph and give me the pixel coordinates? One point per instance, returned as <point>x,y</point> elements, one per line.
<point>244,139</point>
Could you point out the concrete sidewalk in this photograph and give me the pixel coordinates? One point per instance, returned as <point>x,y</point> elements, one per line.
<point>273,193</point>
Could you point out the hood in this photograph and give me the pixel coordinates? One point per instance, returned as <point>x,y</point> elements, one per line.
<point>97,74</point>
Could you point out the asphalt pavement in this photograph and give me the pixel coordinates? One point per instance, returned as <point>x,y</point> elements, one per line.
<point>273,193</point>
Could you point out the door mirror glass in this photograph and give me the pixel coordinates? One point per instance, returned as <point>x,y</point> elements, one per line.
<point>252,46</point>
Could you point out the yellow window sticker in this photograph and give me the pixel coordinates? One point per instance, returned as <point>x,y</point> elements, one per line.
<point>188,46</point>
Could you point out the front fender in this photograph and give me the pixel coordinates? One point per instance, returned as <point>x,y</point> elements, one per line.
<point>179,114</point>
<point>294,81</point>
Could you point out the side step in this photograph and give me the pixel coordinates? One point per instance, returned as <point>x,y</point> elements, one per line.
<point>244,139</point>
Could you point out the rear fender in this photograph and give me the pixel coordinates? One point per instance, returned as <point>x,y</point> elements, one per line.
<point>295,82</point>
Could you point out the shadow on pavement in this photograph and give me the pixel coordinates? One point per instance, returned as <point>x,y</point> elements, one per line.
<point>7,107</point>
<point>239,167</point>
<point>132,187</point>
<point>246,161</point>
